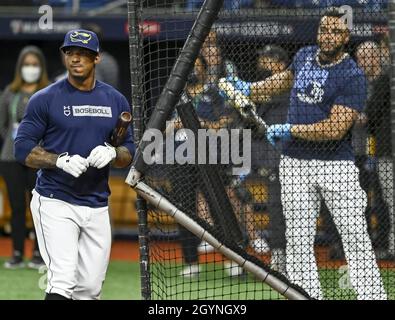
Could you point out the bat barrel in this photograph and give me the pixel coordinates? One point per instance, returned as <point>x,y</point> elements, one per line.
<point>119,133</point>
<point>126,117</point>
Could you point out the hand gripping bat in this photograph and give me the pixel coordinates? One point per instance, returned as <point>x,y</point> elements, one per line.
<point>244,106</point>
<point>121,128</point>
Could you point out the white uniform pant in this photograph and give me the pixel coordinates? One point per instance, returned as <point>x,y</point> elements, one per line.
<point>303,183</point>
<point>75,243</point>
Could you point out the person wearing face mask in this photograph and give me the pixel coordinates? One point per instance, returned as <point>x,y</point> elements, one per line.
<point>30,76</point>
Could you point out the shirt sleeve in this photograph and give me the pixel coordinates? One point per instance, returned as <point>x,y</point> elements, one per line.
<point>129,141</point>
<point>32,128</point>
<point>297,60</point>
<point>354,92</point>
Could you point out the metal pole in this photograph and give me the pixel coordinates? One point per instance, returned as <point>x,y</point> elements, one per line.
<point>161,203</point>
<point>137,76</point>
<point>391,22</point>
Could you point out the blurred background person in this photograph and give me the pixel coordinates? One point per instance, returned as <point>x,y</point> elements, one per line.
<point>213,67</point>
<point>108,69</point>
<point>376,60</point>
<point>369,58</point>
<point>214,114</point>
<point>385,53</point>
<point>30,76</point>
<point>272,59</point>
<point>208,104</point>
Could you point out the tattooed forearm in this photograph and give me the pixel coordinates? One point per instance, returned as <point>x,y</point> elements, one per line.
<point>38,158</point>
<point>123,159</point>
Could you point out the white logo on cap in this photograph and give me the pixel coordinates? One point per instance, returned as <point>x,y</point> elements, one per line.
<point>80,37</point>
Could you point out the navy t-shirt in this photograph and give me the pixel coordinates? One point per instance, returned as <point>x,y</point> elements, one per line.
<point>316,89</point>
<point>61,119</point>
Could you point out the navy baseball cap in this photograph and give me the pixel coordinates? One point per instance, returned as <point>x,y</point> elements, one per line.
<point>275,52</point>
<point>81,38</point>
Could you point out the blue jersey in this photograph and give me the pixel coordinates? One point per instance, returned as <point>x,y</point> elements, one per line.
<point>61,118</point>
<point>315,91</point>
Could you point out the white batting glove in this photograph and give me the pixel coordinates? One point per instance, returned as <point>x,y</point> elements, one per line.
<point>102,156</point>
<point>74,165</point>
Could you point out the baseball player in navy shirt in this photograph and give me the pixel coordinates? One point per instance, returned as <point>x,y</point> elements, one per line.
<point>328,91</point>
<point>65,133</point>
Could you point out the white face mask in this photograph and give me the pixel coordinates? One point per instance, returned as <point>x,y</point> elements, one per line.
<point>30,74</point>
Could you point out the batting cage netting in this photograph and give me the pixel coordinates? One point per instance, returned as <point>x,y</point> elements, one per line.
<point>264,168</point>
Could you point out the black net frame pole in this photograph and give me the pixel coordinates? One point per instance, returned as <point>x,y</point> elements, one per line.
<point>391,23</point>
<point>182,68</point>
<point>218,201</point>
<point>274,280</point>
<point>137,96</point>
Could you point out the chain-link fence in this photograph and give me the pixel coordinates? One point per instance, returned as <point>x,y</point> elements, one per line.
<point>280,148</point>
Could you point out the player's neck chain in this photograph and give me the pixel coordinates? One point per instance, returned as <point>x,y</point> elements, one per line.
<point>340,60</point>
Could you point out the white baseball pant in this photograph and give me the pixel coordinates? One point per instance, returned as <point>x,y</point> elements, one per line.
<point>303,183</point>
<point>75,243</point>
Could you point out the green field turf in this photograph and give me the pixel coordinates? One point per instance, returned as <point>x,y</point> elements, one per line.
<point>123,283</point>
<point>335,280</point>
<point>212,283</point>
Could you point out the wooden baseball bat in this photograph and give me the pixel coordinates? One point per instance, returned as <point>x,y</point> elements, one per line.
<point>121,128</point>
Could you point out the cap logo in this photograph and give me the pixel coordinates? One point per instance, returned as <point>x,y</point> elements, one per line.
<point>80,37</point>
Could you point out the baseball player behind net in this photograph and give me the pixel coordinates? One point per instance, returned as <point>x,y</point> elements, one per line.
<point>65,133</point>
<point>328,91</point>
